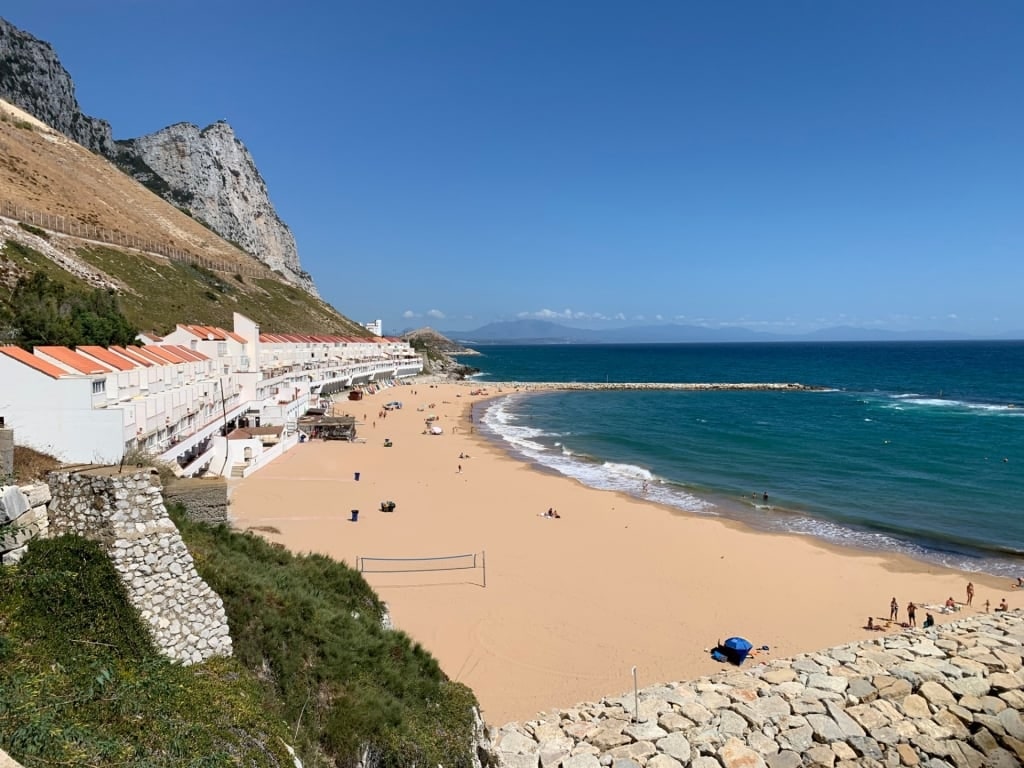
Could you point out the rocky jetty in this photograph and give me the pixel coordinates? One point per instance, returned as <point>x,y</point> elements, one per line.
<point>692,386</point>
<point>945,697</point>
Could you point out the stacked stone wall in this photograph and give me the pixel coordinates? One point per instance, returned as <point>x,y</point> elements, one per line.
<point>22,518</point>
<point>125,514</point>
<point>950,696</point>
<point>205,500</point>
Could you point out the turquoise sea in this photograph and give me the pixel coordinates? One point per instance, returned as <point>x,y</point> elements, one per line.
<point>915,446</point>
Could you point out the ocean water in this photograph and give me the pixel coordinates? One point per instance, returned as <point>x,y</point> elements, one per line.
<point>913,447</point>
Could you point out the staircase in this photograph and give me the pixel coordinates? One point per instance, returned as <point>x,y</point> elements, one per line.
<point>238,470</point>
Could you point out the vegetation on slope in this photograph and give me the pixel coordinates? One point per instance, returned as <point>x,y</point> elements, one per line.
<point>80,683</point>
<point>311,628</point>
<point>158,294</point>
<point>43,311</point>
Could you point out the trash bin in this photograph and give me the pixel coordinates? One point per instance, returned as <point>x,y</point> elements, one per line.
<point>355,516</point>
<point>357,477</point>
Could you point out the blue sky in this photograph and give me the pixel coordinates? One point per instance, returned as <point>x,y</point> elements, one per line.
<point>781,166</point>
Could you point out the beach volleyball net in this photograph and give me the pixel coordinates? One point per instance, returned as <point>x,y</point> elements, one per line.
<point>471,561</point>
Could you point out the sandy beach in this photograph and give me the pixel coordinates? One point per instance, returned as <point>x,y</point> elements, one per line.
<point>570,604</point>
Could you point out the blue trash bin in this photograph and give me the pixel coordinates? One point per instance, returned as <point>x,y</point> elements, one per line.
<point>355,516</point>
<point>357,477</point>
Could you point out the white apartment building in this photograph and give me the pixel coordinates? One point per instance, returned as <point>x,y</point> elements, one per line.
<point>178,398</point>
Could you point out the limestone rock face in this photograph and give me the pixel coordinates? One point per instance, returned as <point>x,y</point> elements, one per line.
<point>210,173</point>
<point>32,78</point>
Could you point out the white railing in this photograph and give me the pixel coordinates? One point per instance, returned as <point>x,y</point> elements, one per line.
<point>261,460</point>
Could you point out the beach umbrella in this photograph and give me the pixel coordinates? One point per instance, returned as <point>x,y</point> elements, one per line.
<point>737,648</point>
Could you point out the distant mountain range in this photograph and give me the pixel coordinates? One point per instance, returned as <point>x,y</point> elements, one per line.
<point>544,332</point>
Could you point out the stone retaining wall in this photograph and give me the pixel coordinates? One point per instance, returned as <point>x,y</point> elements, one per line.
<point>125,514</point>
<point>22,518</point>
<point>205,500</point>
<point>949,696</point>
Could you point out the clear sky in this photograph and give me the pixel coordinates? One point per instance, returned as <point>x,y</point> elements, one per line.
<point>781,166</point>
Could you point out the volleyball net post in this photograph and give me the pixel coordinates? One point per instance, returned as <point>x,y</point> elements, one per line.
<point>469,561</point>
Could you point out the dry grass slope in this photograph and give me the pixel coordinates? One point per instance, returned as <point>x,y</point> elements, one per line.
<point>43,171</point>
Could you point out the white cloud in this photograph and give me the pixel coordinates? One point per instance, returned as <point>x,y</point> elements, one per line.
<point>409,314</point>
<point>437,314</point>
<point>564,314</point>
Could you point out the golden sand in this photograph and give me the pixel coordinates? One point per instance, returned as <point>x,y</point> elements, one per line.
<point>570,605</point>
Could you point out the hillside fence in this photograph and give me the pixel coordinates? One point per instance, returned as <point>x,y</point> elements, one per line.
<point>72,227</point>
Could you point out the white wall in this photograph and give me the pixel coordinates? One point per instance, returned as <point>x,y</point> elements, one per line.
<point>56,416</point>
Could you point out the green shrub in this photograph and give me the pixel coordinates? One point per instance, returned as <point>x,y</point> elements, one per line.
<point>312,627</point>
<point>81,684</point>
<point>34,230</point>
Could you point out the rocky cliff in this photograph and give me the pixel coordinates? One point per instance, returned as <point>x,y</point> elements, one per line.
<point>208,173</point>
<point>32,77</point>
<point>211,174</point>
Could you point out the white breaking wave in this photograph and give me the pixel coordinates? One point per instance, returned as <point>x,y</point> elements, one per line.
<point>609,476</point>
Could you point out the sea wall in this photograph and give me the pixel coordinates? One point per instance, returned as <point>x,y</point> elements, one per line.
<point>948,696</point>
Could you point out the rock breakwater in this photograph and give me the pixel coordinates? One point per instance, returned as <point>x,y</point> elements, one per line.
<point>949,696</point>
<point>693,386</point>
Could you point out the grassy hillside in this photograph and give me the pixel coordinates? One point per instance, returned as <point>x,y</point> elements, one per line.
<point>80,683</point>
<point>156,294</point>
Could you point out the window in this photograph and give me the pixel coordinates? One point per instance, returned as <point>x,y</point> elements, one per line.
<point>99,386</point>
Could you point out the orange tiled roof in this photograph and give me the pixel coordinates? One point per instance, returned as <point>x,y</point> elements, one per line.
<point>132,354</point>
<point>108,358</point>
<point>73,360</point>
<point>188,354</point>
<point>159,352</point>
<point>149,355</point>
<point>22,356</point>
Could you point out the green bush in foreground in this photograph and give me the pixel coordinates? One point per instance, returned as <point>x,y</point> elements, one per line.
<point>311,629</point>
<point>81,684</point>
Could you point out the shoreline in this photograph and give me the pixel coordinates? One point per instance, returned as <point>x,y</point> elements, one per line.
<point>750,512</point>
<point>570,604</point>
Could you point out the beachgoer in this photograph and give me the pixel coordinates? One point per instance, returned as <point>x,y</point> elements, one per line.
<point>1003,606</point>
<point>871,623</point>
<point>894,610</point>
<point>1020,581</point>
<point>764,496</point>
<point>460,469</point>
<point>970,592</point>
<point>554,513</point>
<point>550,512</point>
<point>950,603</point>
<point>929,621</point>
<point>912,614</point>
<point>987,604</point>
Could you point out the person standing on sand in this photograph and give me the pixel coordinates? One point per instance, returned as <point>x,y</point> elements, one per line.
<point>912,614</point>
<point>970,592</point>
<point>894,610</point>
